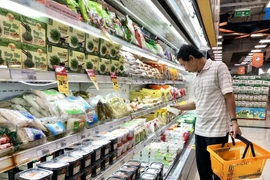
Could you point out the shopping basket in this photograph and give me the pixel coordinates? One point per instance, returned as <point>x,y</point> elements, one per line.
<point>238,160</point>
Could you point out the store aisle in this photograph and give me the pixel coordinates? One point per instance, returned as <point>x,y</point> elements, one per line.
<point>260,136</point>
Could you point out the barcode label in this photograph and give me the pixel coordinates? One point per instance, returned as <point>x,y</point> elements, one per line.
<point>44,151</point>
<point>61,144</point>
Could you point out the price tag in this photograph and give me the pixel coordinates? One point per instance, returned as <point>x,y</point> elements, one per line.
<point>114,81</point>
<point>29,75</point>
<point>92,76</point>
<point>62,79</point>
<point>43,151</point>
<point>61,144</point>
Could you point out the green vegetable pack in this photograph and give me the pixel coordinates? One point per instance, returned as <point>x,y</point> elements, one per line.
<point>33,31</point>
<point>10,53</point>
<point>34,57</point>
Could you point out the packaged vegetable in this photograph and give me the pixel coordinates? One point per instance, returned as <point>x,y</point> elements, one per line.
<point>56,128</point>
<point>49,95</point>
<point>26,135</point>
<point>21,119</point>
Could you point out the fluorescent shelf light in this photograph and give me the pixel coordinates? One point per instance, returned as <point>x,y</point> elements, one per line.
<point>219,37</point>
<point>215,48</point>
<point>217,52</point>
<point>268,5</point>
<point>219,43</point>
<point>260,46</point>
<point>257,35</point>
<point>265,41</point>
<point>250,54</point>
<point>256,50</point>
<point>237,64</point>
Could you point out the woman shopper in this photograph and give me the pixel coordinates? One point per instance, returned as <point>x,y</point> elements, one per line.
<point>214,102</point>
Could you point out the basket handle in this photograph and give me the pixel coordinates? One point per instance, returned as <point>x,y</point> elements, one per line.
<point>248,143</point>
<point>244,140</point>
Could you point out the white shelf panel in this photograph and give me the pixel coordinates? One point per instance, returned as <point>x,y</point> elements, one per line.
<point>129,154</point>
<point>17,75</point>
<point>23,157</point>
<point>94,31</point>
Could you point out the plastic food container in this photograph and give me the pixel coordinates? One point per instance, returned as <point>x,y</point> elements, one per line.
<point>96,169</point>
<point>144,164</point>
<point>147,176</point>
<point>125,147</point>
<point>136,164</point>
<point>74,146</point>
<point>58,168</point>
<point>113,141</point>
<point>157,165</point>
<point>34,174</point>
<point>134,168</point>
<point>106,146</point>
<point>74,163</point>
<point>154,171</point>
<point>96,151</point>
<point>113,157</point>
<point>123,174</point>
<point>75,177</point>
<point>87,156</point>
<point>130,169</point>
<point>87,175</point>
<point>105,163</point>
<point>120,151</point>
<point>115,178</point>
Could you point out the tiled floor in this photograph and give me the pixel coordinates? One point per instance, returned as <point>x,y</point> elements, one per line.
<point>260,136</point>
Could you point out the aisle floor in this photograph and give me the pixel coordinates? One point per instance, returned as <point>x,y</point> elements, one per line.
<point>260,136</point>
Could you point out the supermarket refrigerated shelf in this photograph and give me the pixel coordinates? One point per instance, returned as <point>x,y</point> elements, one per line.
<point>129,154</point>
<point>45,11</point>
<point>31,76</point>
<point>26,156</point>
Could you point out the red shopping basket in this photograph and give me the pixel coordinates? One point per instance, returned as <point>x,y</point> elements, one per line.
<point>238,160</point>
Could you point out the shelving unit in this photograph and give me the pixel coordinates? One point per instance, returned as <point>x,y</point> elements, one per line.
<point>29,155</point>
<point>43,10</point>
<point>16,82</point>
<point>252,94</point>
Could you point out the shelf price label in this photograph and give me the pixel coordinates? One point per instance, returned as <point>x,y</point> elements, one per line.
<point>29,75</point>
<point>114,81</point>
<point>61,144</point>
<point>43,151</point>
<point>62,79</point>
<point>92,76</point>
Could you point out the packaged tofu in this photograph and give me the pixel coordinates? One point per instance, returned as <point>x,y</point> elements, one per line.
<point>10,54</point>
<point>33,31</point>
<point>57,56</point>
<point>91,45</point>
<point>104,49</point>
<point>76,61</point>
<point>34,57</point>
<point>92,62</point>
<point>76,39</point>
<point>9,25</point>
<point>57,33</point>
<point>104,66</point>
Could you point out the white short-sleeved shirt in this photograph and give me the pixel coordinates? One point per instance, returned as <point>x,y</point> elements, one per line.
<point>209,88</point>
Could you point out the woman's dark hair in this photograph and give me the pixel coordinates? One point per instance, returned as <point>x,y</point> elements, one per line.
<point>188,50</point>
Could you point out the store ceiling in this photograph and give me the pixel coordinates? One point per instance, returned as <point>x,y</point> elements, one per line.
<point>236,31</point>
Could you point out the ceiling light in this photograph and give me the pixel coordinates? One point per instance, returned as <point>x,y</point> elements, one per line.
<point>268,5</point>
<point>217,52</point>
<point>256,50</point>
<point>257,35</point>
<point>219,37</point>
<point>260,46</point>
<point>250,54</point>
<point>216,48</point>
<point>265,41</point>
<point>219,43</point>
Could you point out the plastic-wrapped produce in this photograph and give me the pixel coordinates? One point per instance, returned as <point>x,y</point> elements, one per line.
<point>49,95</point>
<point>21,119</point>
<point>26,135</point>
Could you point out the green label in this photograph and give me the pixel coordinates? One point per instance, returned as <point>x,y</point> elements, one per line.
<point>242,13</point>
